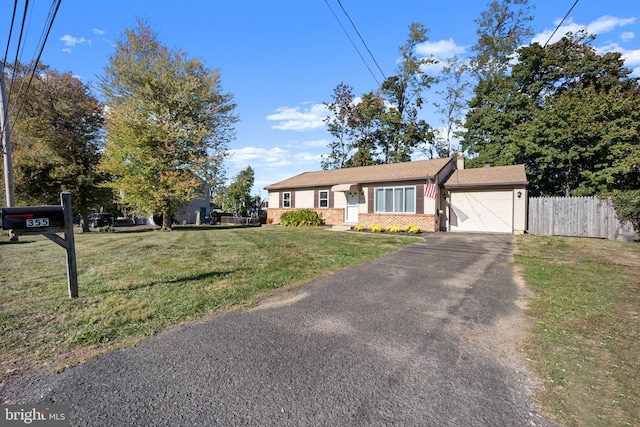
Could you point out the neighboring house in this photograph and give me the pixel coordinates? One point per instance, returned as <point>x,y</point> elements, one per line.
<point>387,195</point>
<point>399,194</point>
<point>197,210</point>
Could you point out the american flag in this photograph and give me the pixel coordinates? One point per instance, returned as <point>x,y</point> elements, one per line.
<point>431,189</point>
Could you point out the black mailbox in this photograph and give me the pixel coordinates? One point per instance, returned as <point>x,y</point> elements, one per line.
<point>33,218</point>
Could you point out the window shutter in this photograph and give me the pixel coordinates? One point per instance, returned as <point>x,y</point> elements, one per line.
<point>420,199</point>
<point>370,201</point>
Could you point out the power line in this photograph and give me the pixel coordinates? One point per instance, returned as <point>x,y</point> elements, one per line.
<point>6,52</point>
<point>362,40</point>
<point>352,43</point>
<point>53,10</point>
<point>560,24</point>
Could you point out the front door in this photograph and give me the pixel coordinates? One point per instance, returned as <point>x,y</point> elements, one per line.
<point>351,211</point>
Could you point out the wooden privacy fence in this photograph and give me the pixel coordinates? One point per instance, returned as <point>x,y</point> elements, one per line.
<point>578,217</point>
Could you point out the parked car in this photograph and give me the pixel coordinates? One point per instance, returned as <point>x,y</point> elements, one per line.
<point>100,220</point>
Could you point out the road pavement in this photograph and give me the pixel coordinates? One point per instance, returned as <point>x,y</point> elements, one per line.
<point>425,336</point>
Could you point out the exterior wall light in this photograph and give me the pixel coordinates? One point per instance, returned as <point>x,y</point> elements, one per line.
<point>519,194</point>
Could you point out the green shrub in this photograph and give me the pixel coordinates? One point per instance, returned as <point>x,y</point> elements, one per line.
<point>394,229</point>
<point>358,228</point>
<point>375,228</point>
<point>627,204</point>
<point>301,218</point>
<point>413,229</point>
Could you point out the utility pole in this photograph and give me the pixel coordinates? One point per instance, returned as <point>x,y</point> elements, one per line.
<point>6,144</point>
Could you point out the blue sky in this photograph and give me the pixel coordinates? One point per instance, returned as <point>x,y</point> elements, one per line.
<point>282,59</point>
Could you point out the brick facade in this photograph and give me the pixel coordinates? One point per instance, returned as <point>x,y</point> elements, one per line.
<point>329,216</point>
<point>426,223</point>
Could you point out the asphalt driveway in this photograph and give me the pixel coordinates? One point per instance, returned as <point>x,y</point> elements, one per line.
<point>426,336</point>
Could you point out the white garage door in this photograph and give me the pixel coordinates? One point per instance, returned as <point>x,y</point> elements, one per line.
<point>484,211</point>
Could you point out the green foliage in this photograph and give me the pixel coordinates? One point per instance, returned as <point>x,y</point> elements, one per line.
<point>237,196</point>
<point>375,228</point>
<point>627,204</point>
<point>413,229</point>
<point>567,113</point>
<point>57,142</point>
<point>358,228</point>
<point>301,218</point>
<point>168,124</point>
<point>394,229</point>
<point>384,127</point>
<point>502,29</point>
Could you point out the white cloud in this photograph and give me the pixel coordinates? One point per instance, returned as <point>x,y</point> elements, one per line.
<point>441,49</point>
<point>604,24</point>
<point>631,57</point>
<point>314,143</point>
<point>310,118</point>
<point>99,32</point>
<point>627,35</point>
<point>73,41</point>
<point>256,155</point>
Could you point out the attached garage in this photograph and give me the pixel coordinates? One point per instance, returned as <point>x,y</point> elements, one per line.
<point>487,211</point>
<point>487,200</point>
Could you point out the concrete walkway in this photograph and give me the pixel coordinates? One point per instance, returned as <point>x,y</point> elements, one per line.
<point>426,336</point>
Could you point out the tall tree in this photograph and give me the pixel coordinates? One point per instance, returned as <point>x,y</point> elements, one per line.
<point>402,131</point>
<point>340,126</point>
<point>583,133</point>
<point>502,29</point>
<point>57,142</point>
<point>237,196</point>
<point>567,113</point>
<point>168,124</point>
<point>366,123</point>
<point>453,104</point>
<point>384,126</point>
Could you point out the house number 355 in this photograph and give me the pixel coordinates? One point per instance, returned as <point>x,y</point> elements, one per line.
<point>38,222</point>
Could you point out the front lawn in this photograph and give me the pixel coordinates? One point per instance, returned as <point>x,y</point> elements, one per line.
<point>132,285</point>
<point>585,337</point>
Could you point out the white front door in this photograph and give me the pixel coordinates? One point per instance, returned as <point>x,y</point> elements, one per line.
<point>351,210</point>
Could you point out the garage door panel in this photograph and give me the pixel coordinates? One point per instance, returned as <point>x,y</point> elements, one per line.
<point>482,211</point>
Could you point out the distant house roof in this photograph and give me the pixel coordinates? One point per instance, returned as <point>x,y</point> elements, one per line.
<point>488,176</point>
<point>418,170</point>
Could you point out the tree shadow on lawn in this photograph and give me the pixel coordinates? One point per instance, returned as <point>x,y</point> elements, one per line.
<point>202,276</point>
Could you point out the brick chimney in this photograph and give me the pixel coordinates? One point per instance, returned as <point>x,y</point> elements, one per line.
<point>460,161</point>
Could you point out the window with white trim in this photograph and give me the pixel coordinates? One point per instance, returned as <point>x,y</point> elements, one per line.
<point>286,199</point>
<point>323,198</point>
<point>395,199</point>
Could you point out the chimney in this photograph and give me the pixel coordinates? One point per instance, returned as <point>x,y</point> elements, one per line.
<point>460,161</point>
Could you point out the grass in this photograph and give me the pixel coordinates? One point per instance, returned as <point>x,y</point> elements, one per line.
<point>585,336</point>
<point>133,285</point>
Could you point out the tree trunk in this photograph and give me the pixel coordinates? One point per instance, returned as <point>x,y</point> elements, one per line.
<point>166,218</point>
<point>84,221</point>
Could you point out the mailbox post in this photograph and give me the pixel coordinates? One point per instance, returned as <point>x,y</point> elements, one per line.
<point>48,220</point>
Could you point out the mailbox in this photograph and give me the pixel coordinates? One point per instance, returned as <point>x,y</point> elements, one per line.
<point>33,218</point>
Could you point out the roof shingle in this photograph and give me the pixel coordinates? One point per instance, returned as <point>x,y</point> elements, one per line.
<point>418,170</point>
<point>488,176</point>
